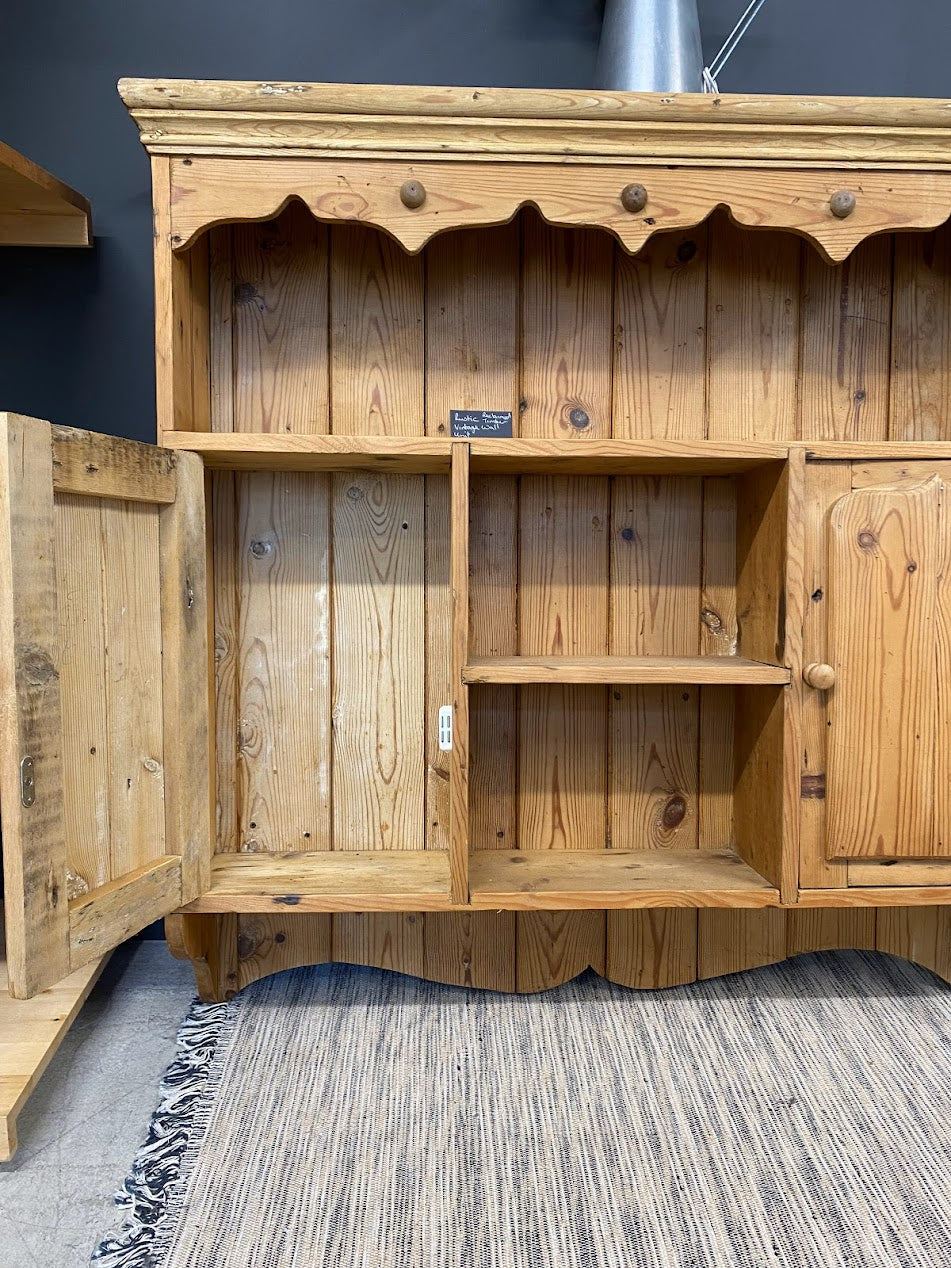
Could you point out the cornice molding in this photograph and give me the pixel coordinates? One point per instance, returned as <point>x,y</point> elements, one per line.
<point>524,125</point>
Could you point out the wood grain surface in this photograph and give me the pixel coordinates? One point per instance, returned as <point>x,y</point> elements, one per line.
<point>711,334</point>
<point>884,562</point>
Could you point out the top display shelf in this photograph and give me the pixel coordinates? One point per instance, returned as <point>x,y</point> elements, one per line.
<point>223,114</point>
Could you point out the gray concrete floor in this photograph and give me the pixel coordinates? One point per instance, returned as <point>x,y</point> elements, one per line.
<point>87,1117</point>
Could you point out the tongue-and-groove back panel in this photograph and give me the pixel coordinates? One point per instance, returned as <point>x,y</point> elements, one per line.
<point>714,332</point>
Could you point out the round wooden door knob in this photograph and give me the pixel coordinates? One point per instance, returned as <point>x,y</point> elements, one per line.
<point>634,198</point>
<point>842,203</point>
<point>412,194</point>
<point>822,677</point>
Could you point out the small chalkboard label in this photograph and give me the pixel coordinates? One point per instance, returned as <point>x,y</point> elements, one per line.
<point>480,422</point>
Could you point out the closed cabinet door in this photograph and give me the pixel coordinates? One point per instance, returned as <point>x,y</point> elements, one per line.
<point>104,760</point>
<point>887,682</point>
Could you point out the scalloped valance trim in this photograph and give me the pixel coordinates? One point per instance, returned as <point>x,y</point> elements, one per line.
<point>211,191</point>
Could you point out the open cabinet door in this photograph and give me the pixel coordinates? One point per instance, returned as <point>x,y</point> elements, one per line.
<point>104,758</point>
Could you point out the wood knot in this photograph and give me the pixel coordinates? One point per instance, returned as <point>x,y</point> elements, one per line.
<point>672,815</point>
<point>36,666</point>
<point>627,534</point>
<point>867,540</point>
<point>578,419</point>
<point>711,620</point>
<point>259,549</point>
<point>685,252</point>
<point>245,293</point>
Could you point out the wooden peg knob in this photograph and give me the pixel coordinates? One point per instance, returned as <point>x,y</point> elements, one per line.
<point>412,194</point>
<point>634,198</point>
<point>822,677</point>
<point>842,203</point>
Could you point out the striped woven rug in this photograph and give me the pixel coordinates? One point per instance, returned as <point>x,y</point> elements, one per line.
<point>339,1117</point>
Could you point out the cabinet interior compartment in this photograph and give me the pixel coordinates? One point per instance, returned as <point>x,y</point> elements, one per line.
<point>331,636</point>
<point>618,630</point>
<point>653,581</point>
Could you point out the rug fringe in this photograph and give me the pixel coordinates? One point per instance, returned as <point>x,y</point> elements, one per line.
<point>154,1189</point>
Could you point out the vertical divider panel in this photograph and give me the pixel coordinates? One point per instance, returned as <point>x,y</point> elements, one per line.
<point>472,363</point>
<point>793,617</point>
<point>941,833</point>
<point>718,637</point>
<point>223,544</point>
<point>765,717</point>
<point>438,545</point>
<point>181,319</point>
<point>459,763</point>
<point>825,483</point>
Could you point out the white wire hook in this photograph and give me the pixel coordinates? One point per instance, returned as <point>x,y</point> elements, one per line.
<point>709,77</point>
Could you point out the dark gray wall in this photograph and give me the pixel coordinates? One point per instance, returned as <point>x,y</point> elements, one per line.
<point>76,327</point>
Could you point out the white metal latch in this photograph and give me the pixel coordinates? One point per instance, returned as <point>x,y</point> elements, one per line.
<point>445,728</point>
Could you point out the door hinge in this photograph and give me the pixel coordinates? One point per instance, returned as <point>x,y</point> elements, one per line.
<point>27,781</point>
<point>445,728</point>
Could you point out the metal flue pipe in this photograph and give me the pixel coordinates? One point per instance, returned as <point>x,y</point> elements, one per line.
<point>650,46</point>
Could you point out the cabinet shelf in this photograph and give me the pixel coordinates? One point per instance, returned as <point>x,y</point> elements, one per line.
<point>287,451</point>
<point>532,880</point>
<point>418,880</point>
<point>621,457</point>
<point>328,880</point>
<point>646,670</point>
<point>283,451</point>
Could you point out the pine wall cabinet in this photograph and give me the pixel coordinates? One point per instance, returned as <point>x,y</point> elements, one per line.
<point>659,684</point>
